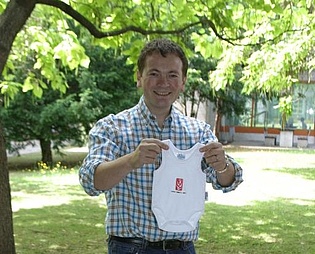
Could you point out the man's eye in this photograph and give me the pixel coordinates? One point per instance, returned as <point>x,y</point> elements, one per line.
<point>173,76</point>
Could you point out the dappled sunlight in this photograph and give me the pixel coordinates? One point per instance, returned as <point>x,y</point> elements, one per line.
<point>303,202</point>
<point>310,214</point>
<point>260,222</point>
<point>29,201</point>
<point>270,210</point>
<point>254,227</point>
<point>55,247</point>
<point>268,238</point>
<point>75,227</point>
<point>21,200</point>
<point>36,189</point>
<point>266,185</point>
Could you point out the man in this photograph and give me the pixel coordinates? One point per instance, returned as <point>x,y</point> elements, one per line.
<point>125,150</point>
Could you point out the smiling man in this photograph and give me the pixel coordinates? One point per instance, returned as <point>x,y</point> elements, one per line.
<point>125,150</point>
<point>162,76</point>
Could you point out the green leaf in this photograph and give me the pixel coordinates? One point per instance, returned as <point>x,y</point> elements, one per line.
<point>38,91</point>
<point>28,84</point>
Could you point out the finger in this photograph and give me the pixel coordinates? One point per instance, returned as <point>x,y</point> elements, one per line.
<point>151,149</point>
<point>157,142</point>
<point>145,153</point>
<point>219,152</point>
<point>214,155</point>
<point>210,146</point>
<point>212,159</point>
<point>151,156</point>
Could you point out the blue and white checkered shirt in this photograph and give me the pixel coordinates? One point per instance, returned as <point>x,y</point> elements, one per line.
<point>129,202</point>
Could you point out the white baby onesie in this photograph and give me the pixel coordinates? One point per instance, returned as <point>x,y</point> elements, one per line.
<point>178,193</point>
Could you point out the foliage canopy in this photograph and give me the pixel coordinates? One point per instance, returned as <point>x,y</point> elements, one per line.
<point>273,39</point>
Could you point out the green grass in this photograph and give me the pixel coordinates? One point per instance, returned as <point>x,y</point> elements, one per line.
<point>266,227</point>
<point>73,227</point>
<point>52,214</point>
<point>307,173</point>
<point>69,159</point>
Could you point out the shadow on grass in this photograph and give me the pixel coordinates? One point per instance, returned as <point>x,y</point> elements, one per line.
<point>278,226</point>
<point>54,215</point>
<point>76,227</point>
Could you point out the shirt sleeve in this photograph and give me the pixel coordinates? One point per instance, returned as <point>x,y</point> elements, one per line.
<point>212,176</point>
<point>101,148</point>
<point>211,173</point>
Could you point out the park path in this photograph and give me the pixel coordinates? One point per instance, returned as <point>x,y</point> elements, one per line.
<point>263,185</point>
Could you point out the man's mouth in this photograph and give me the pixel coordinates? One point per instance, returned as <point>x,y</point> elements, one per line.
<point>162,93</point>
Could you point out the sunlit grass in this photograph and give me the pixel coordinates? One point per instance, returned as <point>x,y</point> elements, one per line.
<point>52,214</point>
<point>265,227</point>
<point>307,173</point>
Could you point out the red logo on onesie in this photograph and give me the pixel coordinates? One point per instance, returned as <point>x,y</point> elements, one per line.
<point>179,184</point>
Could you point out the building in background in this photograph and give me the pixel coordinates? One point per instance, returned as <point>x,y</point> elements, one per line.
<point>263,119</point>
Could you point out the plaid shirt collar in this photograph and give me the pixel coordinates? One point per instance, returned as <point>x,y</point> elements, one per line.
<point>148,117</point>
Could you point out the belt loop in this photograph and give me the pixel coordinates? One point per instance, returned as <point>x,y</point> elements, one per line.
<point>144,244</point>
<point>164,245</point>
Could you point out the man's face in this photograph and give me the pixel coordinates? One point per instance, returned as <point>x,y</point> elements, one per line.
<point>162,80</point>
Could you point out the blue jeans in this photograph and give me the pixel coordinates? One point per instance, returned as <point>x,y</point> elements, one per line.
<point>117,247</point>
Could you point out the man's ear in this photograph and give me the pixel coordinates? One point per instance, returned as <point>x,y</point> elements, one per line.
<point>138,79</point>
<point>184,83</point>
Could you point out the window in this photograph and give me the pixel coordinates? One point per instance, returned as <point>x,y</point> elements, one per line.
<point>266,114</point>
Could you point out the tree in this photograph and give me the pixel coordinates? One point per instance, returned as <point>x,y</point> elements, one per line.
<point>60,119</point>
<point>197,88</point>
<point>230,101</point>
<point>8,32</point>
<point>227,102</point>
<point>280,48</point>
<point>258,34</point>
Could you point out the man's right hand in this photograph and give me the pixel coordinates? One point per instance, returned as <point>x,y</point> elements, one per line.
<point>146,152</point>
<point>110,173</point>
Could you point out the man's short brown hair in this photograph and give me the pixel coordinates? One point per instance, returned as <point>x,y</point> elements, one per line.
<point>164,47</point>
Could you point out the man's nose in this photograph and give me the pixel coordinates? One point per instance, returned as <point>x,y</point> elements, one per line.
<point>163,80</point>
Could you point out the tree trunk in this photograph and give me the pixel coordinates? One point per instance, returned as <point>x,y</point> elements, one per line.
<point>217,125</point>
<point>12,20</point>
<point>6,223</point>
<point>45,146</point>
<point>218,119</point>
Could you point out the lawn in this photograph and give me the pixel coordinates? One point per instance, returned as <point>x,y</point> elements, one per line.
<point>52,214</point>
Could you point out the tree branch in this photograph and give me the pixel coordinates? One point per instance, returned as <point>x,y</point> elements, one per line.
<point>99,34</point>
<point>94,31</point>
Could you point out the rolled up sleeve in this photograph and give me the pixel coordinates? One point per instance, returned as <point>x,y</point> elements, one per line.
<point>86,177</point>
<point>101,149</point>
<point>212,177</point>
